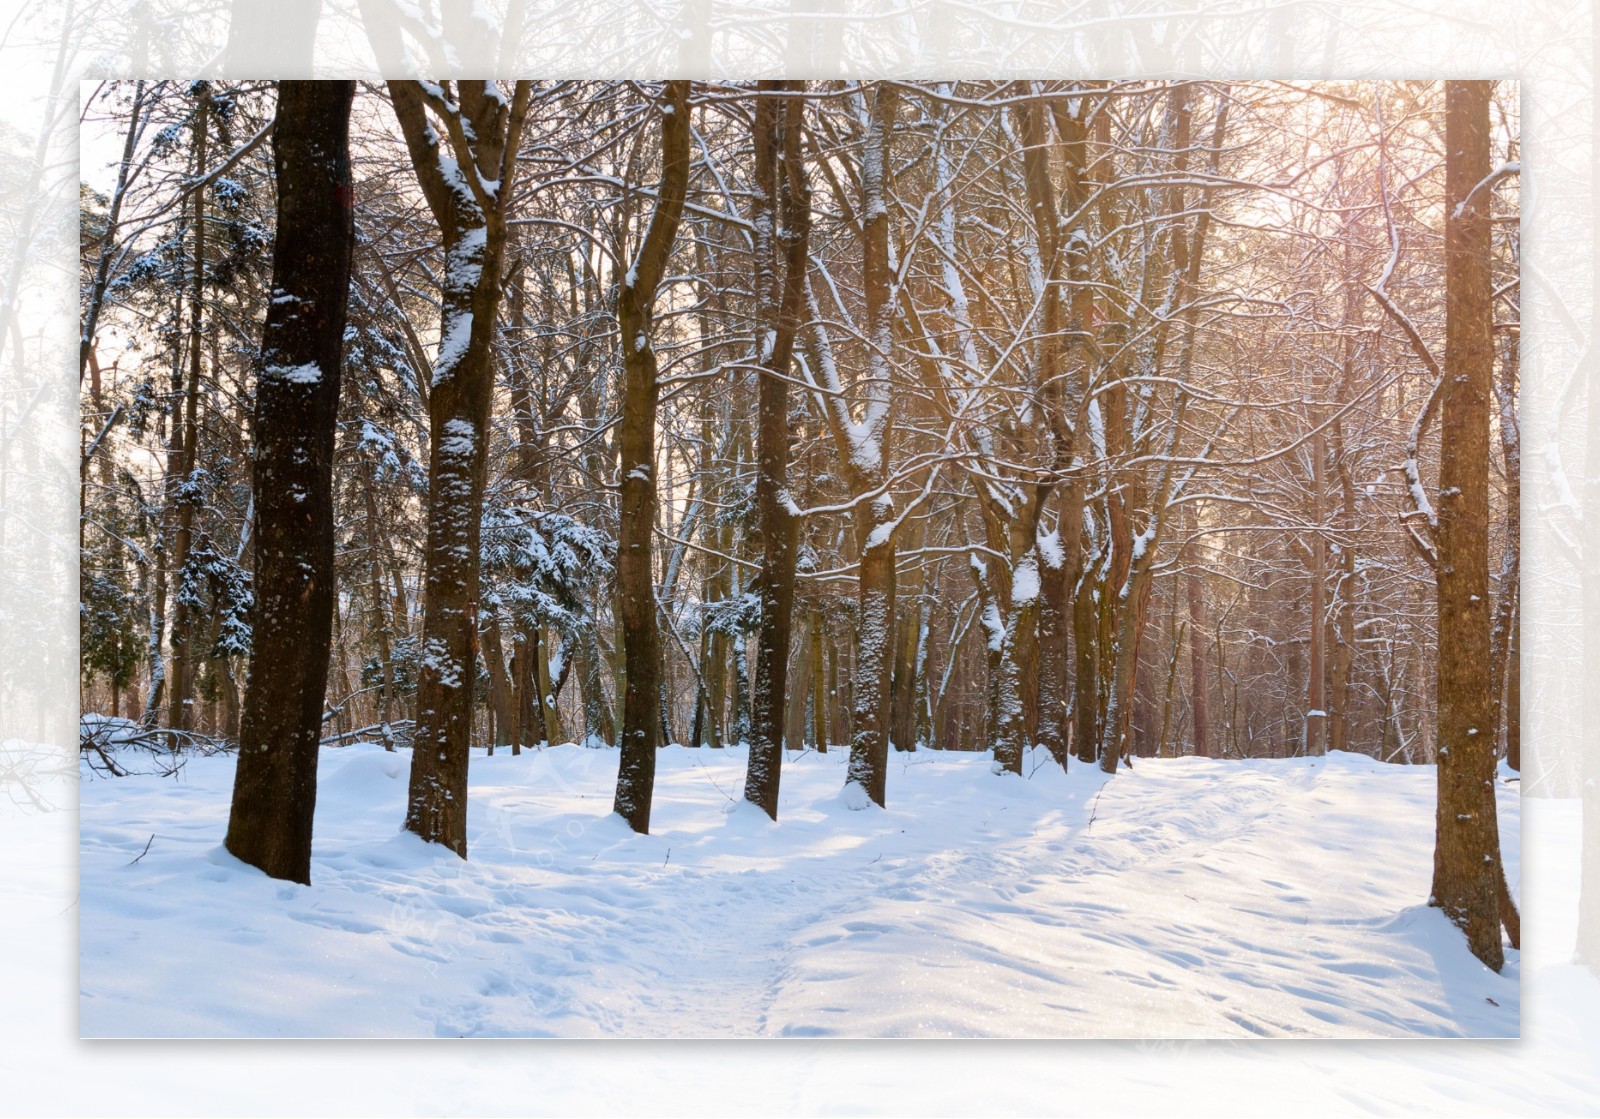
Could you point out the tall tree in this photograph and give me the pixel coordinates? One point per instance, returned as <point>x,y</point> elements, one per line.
<point>468,175</point>
<point>875,520</point>
<point>636,592</point>
<point>297,404</point>
<point>782,214</point>
<point>1467,873</point>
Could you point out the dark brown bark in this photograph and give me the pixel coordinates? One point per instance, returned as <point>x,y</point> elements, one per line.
<point>1082,557</point>
<point>903,688</point>
<point>636,598</point>
<point>501,694</point>
<point>186,434</point>
<point>378,595</point>
<point>1016,694</point>
<point>819,683</point>
<point>1466,867</point>
<point>297,404</point>
<point>780,267</point>
<point>875,519</point>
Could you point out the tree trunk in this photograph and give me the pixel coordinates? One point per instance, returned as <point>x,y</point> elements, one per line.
<point>903,699</point>
<point>819,683</point>
<point>1466,867</point>
<point>181,489</point>
<point>481,133</point>
<point>794,727</point>
<point>550,713</point>
<point>777,127</point>
<point>636,599</point>
<point>597,721</point>
<point>377,596</point>
<point>500,691</point>
<point>1316,726</point>
<point>297,404</point>
<point>875,520</point>
<point>1199,707</point>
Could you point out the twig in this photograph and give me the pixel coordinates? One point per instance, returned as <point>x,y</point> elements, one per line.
<point>1093,807</point>
<point>710,778</point>
<point>146,850</point>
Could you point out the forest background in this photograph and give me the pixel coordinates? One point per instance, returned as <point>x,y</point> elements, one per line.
<point>1544,42</point>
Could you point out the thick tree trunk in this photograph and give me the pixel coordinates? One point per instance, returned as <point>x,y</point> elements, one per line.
<point>297,404</point>
<point>1466,870</point>
<point>636,598</point>
<point>869,740</point>
<point>480,136</point>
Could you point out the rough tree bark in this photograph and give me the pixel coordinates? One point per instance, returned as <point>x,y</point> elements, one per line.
<point>181,496</point>
<point>1466,865</point>
<point>636,594</point>
<point>466,167</point>
<point>875,519</point>
<point>297,404</point>
<point>778,133</point>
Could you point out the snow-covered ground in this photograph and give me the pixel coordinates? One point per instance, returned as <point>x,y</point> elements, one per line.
<point>1184,898</point>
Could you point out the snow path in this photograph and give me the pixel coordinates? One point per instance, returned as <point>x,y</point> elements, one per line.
<point>1184,898</point>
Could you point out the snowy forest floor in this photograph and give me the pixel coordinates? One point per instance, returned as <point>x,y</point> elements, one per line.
<point>1184,898</point>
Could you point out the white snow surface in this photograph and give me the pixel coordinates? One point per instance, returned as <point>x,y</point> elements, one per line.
<point>1182,898</point>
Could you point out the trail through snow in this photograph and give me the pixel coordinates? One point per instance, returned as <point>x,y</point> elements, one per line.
<point>1183,898</point>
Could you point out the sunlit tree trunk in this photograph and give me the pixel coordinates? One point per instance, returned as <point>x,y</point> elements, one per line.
<point>875,522</point>
<point>1466,866</point>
